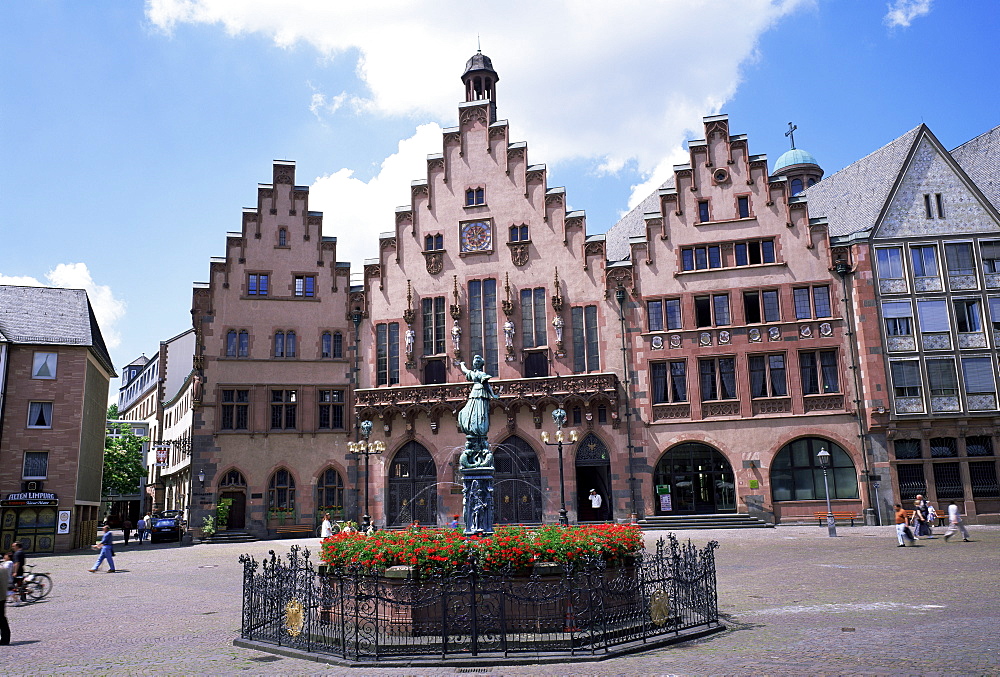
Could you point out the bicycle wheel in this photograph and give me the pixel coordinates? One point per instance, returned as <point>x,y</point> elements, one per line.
<point>37,589</point>
<point>45,583</point>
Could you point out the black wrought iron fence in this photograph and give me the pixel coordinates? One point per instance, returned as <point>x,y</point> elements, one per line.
<point>362,614</point>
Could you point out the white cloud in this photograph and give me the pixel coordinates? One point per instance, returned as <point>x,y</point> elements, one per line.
<point>108,309</point>
<point>902,12</point>
<point>621,84</point>
<point>357,211</point>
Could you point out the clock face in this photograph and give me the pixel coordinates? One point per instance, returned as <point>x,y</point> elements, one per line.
<point>477,236</point>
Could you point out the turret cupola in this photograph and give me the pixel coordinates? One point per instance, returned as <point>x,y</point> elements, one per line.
<point>480,79</point>
<point>798,166</point>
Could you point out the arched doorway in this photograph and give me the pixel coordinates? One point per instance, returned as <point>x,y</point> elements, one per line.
<point>694,479</point>
<point>593,471</point>
<point>234,487</point>
<point>517,484</point>
<point>412,490</point>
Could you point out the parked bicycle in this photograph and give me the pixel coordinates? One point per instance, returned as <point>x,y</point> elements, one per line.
<point>35,586</point>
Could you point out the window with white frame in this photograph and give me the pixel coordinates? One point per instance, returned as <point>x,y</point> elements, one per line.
<point>977,372</point>
<point>898,317</point>
<point>942,378</point>
<point>889,262</point>
<point>39,414</point>
<point>43,365</point>
<point>959,257</point>
<point>905,378</point>
<point>968,318</point>
<point>36,465</point>
<point>924,260</point>
<point>989,250</point>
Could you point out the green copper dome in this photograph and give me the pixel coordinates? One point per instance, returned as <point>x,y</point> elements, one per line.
<point>795,156</point>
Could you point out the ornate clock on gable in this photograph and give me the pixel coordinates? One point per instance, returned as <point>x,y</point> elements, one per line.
<point>476,237</point>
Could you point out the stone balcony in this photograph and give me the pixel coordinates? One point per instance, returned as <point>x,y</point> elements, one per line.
<point>581,390</point>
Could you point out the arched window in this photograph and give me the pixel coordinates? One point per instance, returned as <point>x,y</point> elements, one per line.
<point>811,182</point>
<point>231,343</point>
<point>326,345</point>
<point>233,478</point>
<point>244,345</point>
<point>281,491</point>
<point>282,237</point>
<point>338,345</point>
<point>290,344</point>
<point>796,186</point>
<point>330,492</point>
<point>796,474</point>
<point>279,344</point>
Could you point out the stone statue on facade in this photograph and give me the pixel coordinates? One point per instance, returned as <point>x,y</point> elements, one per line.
<point>476,461</point>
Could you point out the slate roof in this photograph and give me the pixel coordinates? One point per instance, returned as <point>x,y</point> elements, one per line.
<point>51,316</point>
<point>980,158</point>
<point>852,199</point>
<point>632,224</point>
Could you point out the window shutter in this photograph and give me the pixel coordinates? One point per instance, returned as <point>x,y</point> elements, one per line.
<point>905,374</point>
<point>978,373</point>
<point>933,316</point>
<point>896,309</point>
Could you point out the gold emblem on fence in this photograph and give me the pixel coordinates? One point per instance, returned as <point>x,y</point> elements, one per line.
<point>659,607</point>
<point>294,617</point>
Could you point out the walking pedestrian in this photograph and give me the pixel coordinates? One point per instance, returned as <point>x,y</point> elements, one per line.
<point>932,517</point>
<point>902,529</point>
<point>140,529</point>
<point>19,558</point>
<point>955,523</point>
<point>8,565</point>
<point>107,549</point>
<point>920,512</point>
<point>126,529</point>
<point>148,533</point>
<point>326,530</point>
<point>4,626</point>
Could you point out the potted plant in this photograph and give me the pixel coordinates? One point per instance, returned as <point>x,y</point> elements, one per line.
<point>222,513</point>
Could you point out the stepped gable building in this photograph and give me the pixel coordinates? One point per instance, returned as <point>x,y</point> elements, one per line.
<point>488,259</point>
<point>269,426</point>
<point>920,227</point>
<point>54,377</point>
<point>739,340</point>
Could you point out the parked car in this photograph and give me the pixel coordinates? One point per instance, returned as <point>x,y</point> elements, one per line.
<point>165,529</point>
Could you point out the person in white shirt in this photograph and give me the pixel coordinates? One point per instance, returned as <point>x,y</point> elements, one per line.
<point>326,530</point>
<point>595,503</point>
<point>955,523</point>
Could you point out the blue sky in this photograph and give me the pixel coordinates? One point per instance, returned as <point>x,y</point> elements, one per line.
<point>133,134</point>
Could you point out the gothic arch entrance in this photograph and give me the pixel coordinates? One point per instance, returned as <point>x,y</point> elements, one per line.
<point>593,471</point>
<point>517,484</point>
<point>234,487</point>
<point>412,495</point>
<point>699,479</point>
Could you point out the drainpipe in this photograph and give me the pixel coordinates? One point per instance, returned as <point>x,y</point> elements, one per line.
<point>634,507</point>
<point>843,269</point>
<point>356,319</point>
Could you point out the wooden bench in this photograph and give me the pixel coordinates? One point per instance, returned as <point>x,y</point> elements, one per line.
<point>942,519</point>
<point>294,531</point>
<point>842,516</point>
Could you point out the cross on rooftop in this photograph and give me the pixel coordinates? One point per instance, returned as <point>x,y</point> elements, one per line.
<point>791,133</point>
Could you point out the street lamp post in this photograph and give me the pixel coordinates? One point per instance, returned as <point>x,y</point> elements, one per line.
<point>559,417</point>
<point>367,449</point>
<point>620,296</point>
<point>824,462</point>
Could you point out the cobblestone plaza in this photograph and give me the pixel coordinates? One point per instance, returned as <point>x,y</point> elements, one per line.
<point>794,601</point>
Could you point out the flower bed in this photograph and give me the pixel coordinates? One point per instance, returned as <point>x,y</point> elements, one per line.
<point>431,551</point>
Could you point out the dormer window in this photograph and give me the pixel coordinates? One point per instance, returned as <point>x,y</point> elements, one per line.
<point>475,197</point>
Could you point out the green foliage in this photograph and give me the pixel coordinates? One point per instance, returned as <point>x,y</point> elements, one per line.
<point>208,526</point>
<point>222,512</point>
<point>122,461</point>
<point>113,412</point>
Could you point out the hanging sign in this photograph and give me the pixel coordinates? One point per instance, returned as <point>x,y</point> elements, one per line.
<point>26,498</point>
<point>162,453</point>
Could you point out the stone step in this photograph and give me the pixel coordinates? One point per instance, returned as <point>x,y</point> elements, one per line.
<point>229,537</point>
<point>723,521</point>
